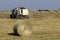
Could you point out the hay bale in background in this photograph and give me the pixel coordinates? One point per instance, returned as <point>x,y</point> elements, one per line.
<point>22,29</point>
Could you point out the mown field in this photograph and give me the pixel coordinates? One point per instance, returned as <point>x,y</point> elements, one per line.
<point>45,24</point>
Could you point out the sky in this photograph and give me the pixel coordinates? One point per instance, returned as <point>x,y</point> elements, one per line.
<point>30,4</point>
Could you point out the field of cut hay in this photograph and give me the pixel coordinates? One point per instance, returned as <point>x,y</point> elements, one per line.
<point>45,26</point>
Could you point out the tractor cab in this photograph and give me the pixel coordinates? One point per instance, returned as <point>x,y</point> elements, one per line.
<point>20,12</point>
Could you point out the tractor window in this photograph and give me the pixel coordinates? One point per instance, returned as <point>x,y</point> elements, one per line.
<point>13,11</point>
<point>21,10</point>
<point>16,12</point>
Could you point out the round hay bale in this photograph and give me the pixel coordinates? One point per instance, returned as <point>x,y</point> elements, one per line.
<point>22,29</point>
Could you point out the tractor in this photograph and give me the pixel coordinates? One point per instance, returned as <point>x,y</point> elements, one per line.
<point>20,12</point>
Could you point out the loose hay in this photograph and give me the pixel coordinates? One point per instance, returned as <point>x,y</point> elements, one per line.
<point>22,29</point>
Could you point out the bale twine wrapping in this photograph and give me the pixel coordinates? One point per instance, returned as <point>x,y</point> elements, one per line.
<point>22,29</point>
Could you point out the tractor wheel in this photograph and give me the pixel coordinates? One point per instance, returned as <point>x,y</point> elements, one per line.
<point>27,16</point>
<point>20,16</point>
<point>12,16</point>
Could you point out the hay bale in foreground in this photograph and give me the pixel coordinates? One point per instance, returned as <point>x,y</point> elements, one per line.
<point>22,29</point>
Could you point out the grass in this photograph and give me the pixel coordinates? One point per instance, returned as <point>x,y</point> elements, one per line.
<point>46,26</point>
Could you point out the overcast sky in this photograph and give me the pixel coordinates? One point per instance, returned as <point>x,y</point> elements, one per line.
<point>31,4</point>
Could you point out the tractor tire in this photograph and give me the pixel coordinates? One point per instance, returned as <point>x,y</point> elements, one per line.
<point>27,17</point>
<point>12,16</point>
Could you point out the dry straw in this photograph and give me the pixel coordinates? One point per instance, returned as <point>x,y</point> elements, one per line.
<point>21,28</point>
